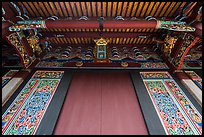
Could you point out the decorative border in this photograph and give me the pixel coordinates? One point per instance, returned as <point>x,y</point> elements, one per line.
<point>154,65</point>
<point>196,79</point>
<point>155,75</point>
<point>177,114</point>
<point>8,76</point>
<point>186,104</point>
<point>24,115</point>
<point>44,64</point>
<point>146,65</point>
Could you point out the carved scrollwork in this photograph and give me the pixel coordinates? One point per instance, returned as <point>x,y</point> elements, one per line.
<point>15,41</point>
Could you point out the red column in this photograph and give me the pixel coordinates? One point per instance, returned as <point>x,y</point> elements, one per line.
<point>186,52</point>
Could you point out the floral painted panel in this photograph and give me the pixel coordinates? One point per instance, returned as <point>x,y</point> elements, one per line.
<point>24,115</point>
<point>176,112</point>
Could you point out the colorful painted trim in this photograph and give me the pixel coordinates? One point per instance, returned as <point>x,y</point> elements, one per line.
<point>154,65</point>
<point>186,104</point>
<point>27,25</point>
<point>196,79</point>
<point>44,64</point>
<point>175,26</point>
<point>24,115</point>
<point>8,76</point>
<point>177,114</point>
<point>155,75</point>
<point>198,82</point>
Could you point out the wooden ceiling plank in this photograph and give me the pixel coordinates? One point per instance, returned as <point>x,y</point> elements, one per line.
<point>119,8</point>
<point>89,9</point>
<point>123,12</point>
<point>59,9</point>
<point>51,40</point>
<point>127,30</point>
<point>79,40</point>
<point>134,9</point>
<point>44,9</point>
<point>148,29</point>
<point>110,40</point>
<point>117,40</point>
<point>145,41</point>
<point>175,9</point>
<point>73,8</point>
<point>131,40</point>
<point>34,9</point>
<point>160,7</point>
<point>67,9</point>
<point>58,41</point>
<point>86,40</point>
<point>124,40</point>
<point>114,9</point>
<point>64,10</point>
<point>149,9</point>
<point>135,39</point>
<point>151,30</point>
<point>130,6</point>
<point>49,9</point>
<point>109,9</point>
<point>160,14</point>
<point>65,40</point>
<point>120,40</point>
<point>75,40</point>
<point>68,39</point>
<point>191,9</point>
<point>62,40</point>
<point>143,30</point>
<point>138,40</point>
<point>30,12</point>
<point>90,40</point>
<point>113,41</point>
<point>141,42</point>
<point>93,5</point>
<point>135,30</point>
<point>128,39</point>
<point>139,30</point>
<point>144,10</point>
<point>170,8</point>
<point>139,9</point>
<point>38,9</point>
<point>154,9</point>
<point>84,12</point>
<point>78,8</point>
<point>99,8</point>
<point>104,9</point>
<point>55,41</point>
<point>72,40</point>
<point>53,8</point>
<point>82,40</point>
